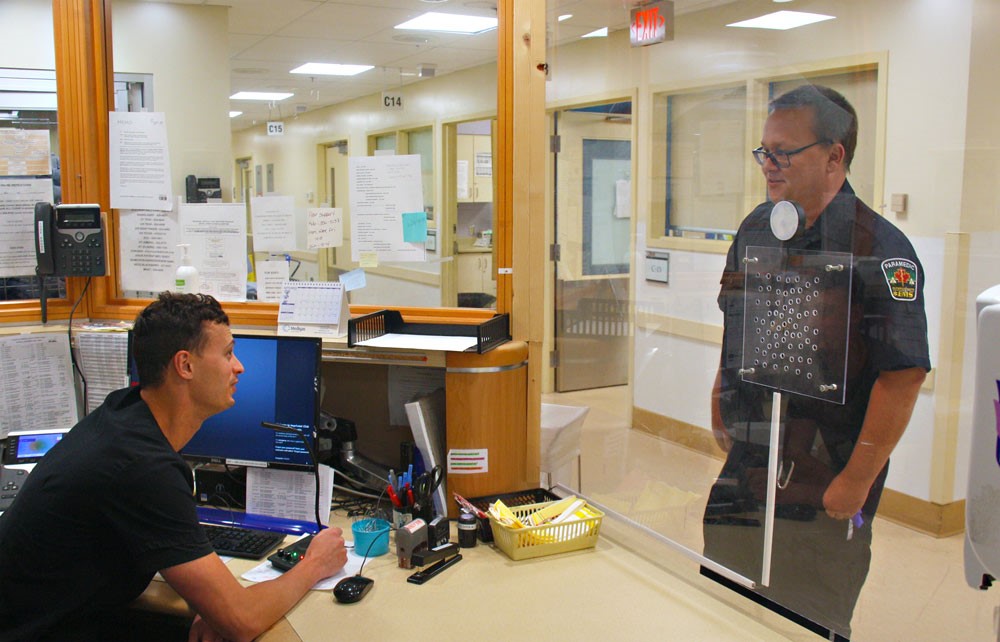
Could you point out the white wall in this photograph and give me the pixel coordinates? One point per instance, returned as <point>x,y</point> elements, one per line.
<point>26,37</point>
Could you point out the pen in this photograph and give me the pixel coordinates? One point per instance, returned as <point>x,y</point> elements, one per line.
<point>393,496</point>
<point>409,494</point>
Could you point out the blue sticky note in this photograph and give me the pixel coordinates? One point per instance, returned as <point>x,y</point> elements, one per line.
<point>353,280</point>
<point>414,227</point>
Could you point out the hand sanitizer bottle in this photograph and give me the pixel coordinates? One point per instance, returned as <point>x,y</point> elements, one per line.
<point>186,280</point>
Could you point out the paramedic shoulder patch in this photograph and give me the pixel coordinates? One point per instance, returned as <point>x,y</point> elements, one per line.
<point>901,276</point>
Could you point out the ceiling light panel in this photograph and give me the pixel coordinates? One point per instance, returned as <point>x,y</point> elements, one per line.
<point>450,23</point>
<point>260,95</point>
<point>782,20</point>
<point>330,69</point>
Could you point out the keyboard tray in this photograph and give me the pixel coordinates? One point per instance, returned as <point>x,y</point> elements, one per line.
<point>248,543</point>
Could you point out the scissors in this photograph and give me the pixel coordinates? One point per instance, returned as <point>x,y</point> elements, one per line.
<point>427,483</point>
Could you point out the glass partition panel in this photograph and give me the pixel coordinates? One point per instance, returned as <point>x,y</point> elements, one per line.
<point>30,168</point>
<point>683,452</point>
<point>259,116</point>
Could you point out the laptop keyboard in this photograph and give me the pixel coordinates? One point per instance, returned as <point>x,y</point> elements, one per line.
<point>236,541</point>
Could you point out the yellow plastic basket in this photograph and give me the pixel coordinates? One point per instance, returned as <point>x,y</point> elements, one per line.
<point>547,539</point>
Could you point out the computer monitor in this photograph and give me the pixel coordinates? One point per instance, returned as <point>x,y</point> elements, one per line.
<point>281,386</point>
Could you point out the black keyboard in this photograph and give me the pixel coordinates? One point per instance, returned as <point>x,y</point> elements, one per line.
<point>236,541</point>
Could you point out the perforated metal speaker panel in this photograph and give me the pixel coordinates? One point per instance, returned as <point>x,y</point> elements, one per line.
<point>796,321</point>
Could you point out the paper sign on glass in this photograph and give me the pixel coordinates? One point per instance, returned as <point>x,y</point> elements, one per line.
<point>271,277</point>
<point>140,161</point>
<point>324,227</point>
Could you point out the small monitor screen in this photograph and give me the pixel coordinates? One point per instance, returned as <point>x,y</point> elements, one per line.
<point>35,446</point>
<point>280,385</point>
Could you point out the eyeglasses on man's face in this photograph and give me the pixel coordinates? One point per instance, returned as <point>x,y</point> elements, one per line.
<point>781,158</point>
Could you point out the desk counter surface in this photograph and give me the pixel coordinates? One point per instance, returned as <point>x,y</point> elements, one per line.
<point>604,593</point>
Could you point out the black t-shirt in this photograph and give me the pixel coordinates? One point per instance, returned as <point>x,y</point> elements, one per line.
<point>887,328</point>
<point>109,506</point>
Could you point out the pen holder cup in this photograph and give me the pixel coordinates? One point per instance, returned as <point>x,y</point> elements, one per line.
<point>371,537</point>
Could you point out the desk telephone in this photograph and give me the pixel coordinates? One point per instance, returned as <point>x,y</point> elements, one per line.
<point>69,240</point>
<point>21,451</point>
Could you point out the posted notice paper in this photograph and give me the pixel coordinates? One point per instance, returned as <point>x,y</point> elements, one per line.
<point>140,161</point>
<point>217,233</point>
<point>17,223</point>
<point>382,189</point>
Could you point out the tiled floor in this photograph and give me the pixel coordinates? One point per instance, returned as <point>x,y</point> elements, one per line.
<point>916,587</point>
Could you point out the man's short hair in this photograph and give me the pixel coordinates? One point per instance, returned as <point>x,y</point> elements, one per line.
<point>834,119</point>
<point>172,323</point>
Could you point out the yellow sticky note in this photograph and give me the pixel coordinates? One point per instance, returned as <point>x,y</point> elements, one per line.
<point>369,259</point>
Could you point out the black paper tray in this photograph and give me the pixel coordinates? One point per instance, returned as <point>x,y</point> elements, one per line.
<point>489,334</point>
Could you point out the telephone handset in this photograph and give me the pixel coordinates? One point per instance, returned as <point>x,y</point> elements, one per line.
<point>69,240</point>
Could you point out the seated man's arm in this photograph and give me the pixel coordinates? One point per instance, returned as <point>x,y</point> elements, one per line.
<point>242,613</point>
<point>889,408</point>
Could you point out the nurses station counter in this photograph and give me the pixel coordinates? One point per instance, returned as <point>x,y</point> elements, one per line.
<point>613,591</point>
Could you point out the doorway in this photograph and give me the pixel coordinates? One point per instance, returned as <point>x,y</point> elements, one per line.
<point>593,230</point>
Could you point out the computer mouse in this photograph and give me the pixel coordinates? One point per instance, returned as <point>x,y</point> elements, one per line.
<point>352,589</point>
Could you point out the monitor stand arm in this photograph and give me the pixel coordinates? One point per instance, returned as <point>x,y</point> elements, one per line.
<point>354,465</point>
<point>361,469</point>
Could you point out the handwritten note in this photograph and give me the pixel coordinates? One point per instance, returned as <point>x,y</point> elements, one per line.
<point>324,227</point>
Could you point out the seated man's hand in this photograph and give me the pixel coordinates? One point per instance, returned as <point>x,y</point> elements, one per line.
<point>202,632</point>
<point>327,549</point>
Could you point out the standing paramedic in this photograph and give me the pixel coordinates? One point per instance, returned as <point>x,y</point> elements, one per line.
<point>834,457</point>
<point>111,504</point>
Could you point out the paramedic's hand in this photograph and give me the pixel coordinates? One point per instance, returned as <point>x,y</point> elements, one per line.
<point>845,497</point>
<point>719,431</point>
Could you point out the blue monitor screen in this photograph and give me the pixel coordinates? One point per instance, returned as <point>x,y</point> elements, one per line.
<point>281,386</point>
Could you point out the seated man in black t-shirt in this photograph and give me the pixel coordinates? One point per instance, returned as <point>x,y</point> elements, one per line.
<point>112,504</point>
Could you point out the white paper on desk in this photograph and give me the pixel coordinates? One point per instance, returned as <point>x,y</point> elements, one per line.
<point>36,383</point>
<point>289,494</point>
<point>103,358</point>
<point>264,572</point>
<point>420,342</point>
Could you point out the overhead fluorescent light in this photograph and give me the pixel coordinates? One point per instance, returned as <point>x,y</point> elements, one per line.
<point>234,114</point>
<point>565,16</point>
<point>782,20</point>
<point>330,69</point>
<point>598,33</point>
<point>449,22</point>
<point>260,95</point>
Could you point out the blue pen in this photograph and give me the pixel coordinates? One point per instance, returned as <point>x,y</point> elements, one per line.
<point>409,474</point>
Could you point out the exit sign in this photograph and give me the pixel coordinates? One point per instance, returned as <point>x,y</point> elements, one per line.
<point>652,23</point>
